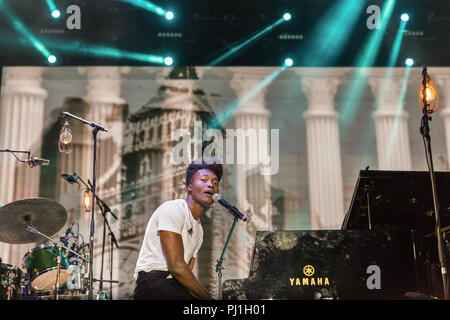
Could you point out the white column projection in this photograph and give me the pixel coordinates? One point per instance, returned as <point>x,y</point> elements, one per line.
<point>103,92</point>
<point>103,95</point>
<point>252,189</point>
<point>21,125</point>
<point>324,158</point>
<point>391,121</point>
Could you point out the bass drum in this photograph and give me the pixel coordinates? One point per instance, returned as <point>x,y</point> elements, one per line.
<point>10,282</point>
<point>41,263</point>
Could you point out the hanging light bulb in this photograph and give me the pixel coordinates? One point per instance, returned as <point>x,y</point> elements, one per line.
<point>87,201</point>
<point>65,139</point>
<point>428,96</point>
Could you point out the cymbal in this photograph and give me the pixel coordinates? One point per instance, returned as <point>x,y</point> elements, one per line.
<point>47,216</point>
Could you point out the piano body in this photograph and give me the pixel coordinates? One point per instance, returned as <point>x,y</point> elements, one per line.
<point>386,247</point>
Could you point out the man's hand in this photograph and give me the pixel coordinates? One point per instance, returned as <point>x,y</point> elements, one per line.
<point>172,245</point>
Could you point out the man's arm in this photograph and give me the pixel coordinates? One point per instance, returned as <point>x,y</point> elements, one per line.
<point>172,245</point>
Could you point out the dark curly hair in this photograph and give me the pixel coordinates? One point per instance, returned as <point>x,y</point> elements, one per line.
<point>210,163</point>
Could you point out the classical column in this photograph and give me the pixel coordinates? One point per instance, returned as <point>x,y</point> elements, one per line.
<point>441,77</point>
<point>324,157</point>
<point>21,125</point>
<point>391,121</point>
<point>103,92</point>
<point>251,119</point>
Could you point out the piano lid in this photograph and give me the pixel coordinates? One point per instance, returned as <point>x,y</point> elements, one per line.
<point>400,199</point>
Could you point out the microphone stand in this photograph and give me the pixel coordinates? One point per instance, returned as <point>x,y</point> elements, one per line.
<point>104,209</point>
<point>95,129</point>
<point>17,151</point>
<point>219,266</point>
<point>425,131</point>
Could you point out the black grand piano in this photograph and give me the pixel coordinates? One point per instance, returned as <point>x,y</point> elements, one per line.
<point>385,248</point>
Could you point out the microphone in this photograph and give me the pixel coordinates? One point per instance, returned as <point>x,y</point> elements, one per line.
<point>233,210</point>
<point>69,229</point>
<point>35,161</point>
<point>70,178</point>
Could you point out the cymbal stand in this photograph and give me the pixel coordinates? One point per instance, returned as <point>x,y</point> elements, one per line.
<point>32,229</point>
<point>58,276</point>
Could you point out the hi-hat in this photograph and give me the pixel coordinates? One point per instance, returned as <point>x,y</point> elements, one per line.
<point>47,216</point>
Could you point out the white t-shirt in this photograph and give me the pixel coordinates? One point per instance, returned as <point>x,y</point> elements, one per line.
<point>175,216</point>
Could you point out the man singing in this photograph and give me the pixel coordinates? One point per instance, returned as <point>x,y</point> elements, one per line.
<point>173,238</point>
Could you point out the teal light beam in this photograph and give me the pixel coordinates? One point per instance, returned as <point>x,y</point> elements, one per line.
<point>400,107</point>
<point>236,48</point>
<point>103,51</point>
<point>22,29</point>
<point>222,118</point>
<point>365,60</point>
<point>332,32</point>
<point>397,44</point>
<point>147,5</point>
<point>51,5</point>
<point>392,58</point>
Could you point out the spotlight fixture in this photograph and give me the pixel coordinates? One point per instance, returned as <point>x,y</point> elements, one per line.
<point>288,62</point>
<point>51,59</point>
<point>168,61</point>
<point>169,15</point>
<point>404,17</point>
<point>409,62</point>
<point>287,16</point>
<point>56,14</point>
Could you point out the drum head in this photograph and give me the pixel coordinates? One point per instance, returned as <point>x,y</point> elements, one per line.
<point>46,281</point>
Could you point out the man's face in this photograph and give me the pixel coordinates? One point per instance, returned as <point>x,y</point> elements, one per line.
<point>203,185</point>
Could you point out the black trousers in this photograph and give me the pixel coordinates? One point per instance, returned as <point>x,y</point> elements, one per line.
<point>154,285</point>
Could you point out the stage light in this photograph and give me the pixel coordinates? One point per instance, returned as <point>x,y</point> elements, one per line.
<point>56,14</point>
<point>51,59</point>
<point>428,96</point>
<point>87,201</point>
<point>169,15</point>
<point>287,16</point>
<point>409,62</point>
<point>404,17</point>
<point>288,62</point>
<point>168,61</point>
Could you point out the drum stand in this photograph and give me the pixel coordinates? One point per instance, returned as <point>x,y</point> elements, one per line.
<point>58,268</point>
<point>31,229</point>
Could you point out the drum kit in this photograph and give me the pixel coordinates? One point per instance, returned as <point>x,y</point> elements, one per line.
<point>52,270</point>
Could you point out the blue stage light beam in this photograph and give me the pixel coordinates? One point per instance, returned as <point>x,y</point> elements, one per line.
<point>26,34</point>
<point>400,108</point>
<point>366,59</point>
<point>235,47</point>
<point>331,33</point>
<point>108,52</point>
<point>230,110</point>
<point>147,5</point>
<point>53,9</point>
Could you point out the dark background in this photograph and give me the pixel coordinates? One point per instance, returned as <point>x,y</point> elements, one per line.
<point>210,27</point>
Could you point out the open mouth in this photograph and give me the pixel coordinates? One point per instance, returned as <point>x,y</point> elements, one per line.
<point>209,193</point>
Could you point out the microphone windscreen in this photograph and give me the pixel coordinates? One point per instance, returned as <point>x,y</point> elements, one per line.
<point>216,197</point>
